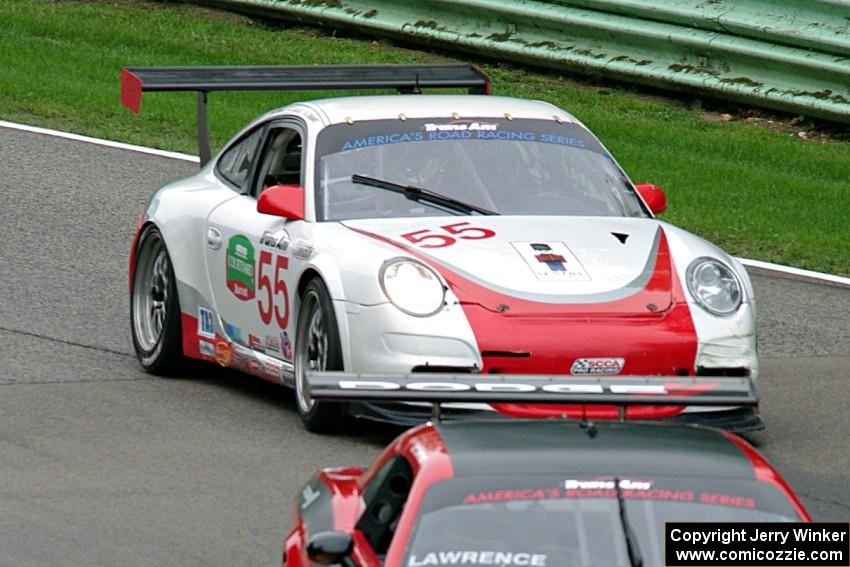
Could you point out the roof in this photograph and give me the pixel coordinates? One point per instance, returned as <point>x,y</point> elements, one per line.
<point>358,108</point>
<point>539,447</point>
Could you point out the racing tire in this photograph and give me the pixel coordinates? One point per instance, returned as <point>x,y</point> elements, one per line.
<point>317,347</point>
<point>155,307</point>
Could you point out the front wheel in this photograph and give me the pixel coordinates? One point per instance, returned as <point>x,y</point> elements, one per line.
<point>317,348</point>
<point>154,307</point>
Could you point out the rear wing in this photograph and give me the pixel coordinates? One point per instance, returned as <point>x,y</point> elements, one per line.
<point>403,78</point>
<point>534,389</point>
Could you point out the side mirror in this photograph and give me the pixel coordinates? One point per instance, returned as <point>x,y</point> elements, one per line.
<point>285,201</point>
<point>330,548</point>
<point>653,196</point>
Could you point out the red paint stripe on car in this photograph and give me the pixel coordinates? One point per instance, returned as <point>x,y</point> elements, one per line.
<point>765,473</point>
<point>651,340</point>
<point>345,497</point>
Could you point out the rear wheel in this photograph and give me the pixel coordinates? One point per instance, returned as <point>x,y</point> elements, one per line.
<point>154,307</point>
<point>317,348</point>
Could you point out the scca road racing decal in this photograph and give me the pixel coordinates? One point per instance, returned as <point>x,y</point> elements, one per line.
<point>240,267</point>
<point>597,366</point>
<point>551,261</point>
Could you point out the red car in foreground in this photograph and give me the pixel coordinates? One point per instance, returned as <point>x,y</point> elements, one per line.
<point>539,493</point>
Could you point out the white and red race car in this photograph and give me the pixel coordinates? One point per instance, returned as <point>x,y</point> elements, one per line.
<point>420,233</point>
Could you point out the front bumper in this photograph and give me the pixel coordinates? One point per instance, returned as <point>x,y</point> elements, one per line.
<point>382,339</point>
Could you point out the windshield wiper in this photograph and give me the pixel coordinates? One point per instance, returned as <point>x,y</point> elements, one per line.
<point>635,557</point>
<point>422,195</point>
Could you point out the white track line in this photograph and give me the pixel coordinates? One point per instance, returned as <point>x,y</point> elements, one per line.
<point>99,142</point>
<point>795,271</point>
<point>186,157</point>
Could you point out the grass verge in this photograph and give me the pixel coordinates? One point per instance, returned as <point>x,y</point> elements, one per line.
<point>757,192</point>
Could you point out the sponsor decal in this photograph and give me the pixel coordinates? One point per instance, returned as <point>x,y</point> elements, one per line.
<point>382,140</point>
<point>662,495</point>
<point>285,346</point>
<point>271,369</point>
<point>223,353</point>
<point>272,344</point>
<point>597,366</point>
<point>479,557</point>
<point>459,130</point>
<point>564,141</point>
<point>481,134</point>
<point>461,126</point>
<point>625,484</point>
<point>468,129</point>
<point>241,357</point>
<point>256,343</point>
<point>207,349</point>
<point>234,332</point>
<point>240,267</point>
<point>503,387</point>
<point>555,262</point>
<point>510,494</point>
<point>206,327</point>
<point>278,240</point>
<point>630,489</point>
<point>308,496</point>
<point>551,261</point>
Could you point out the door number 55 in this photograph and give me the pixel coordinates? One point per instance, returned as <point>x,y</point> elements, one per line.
<point>430,238</point>
<point>280,308</point>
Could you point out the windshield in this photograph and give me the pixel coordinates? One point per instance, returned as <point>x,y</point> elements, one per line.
<point>558,522</point>
<point>509,167</point>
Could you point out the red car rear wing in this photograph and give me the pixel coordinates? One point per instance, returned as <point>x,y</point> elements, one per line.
<point>535,389</point>
<point>403,78</point>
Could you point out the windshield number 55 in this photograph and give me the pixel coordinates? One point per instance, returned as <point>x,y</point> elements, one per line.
<point>430,238</point>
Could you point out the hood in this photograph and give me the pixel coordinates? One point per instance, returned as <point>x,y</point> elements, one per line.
<point>544,260</point>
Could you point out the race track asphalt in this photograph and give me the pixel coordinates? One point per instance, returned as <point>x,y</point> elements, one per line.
<point>102,464</point>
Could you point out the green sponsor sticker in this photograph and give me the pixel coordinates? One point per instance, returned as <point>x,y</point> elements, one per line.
<point>240,267</point>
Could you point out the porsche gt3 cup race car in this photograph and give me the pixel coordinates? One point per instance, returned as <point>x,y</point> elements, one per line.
<point>421,233</point>
<point>546,493</point>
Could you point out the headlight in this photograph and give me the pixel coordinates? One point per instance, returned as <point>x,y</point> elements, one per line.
<point>714,286</point>
<point>412,286</point>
